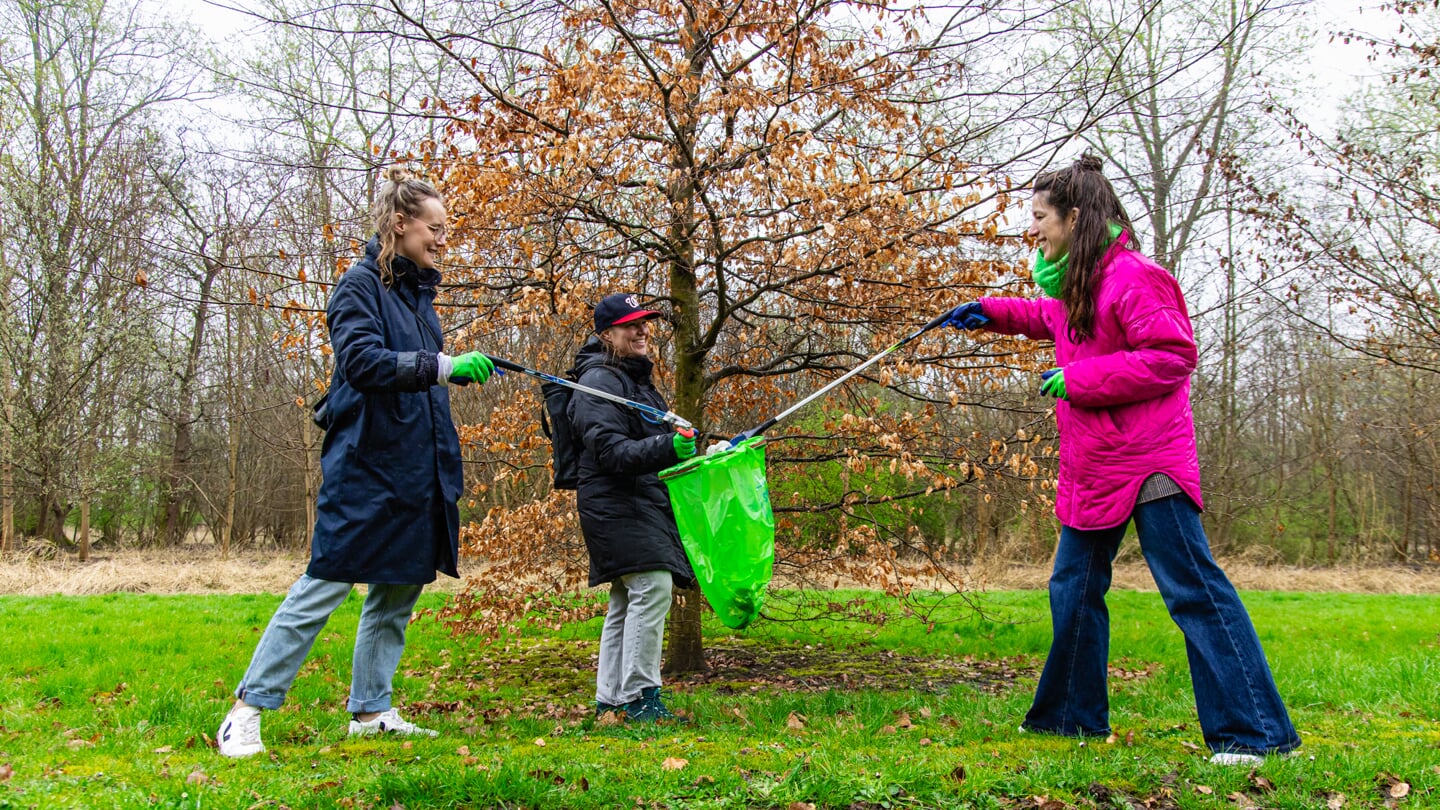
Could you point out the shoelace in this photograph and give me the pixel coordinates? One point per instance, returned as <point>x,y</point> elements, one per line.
<point>247,726</point>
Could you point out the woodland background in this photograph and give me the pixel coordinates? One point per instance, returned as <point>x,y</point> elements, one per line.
<point>795,183</point>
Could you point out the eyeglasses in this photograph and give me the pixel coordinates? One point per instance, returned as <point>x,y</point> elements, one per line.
<point>435,230</point>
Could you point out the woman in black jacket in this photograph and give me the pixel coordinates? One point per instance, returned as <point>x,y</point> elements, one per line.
<point>386,514</point>
<point>624,509</point>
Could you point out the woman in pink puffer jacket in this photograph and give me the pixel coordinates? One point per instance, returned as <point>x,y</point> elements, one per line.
<point>1124,352</point>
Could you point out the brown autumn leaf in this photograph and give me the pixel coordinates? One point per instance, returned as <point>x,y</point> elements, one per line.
<point>1205,790</point>
<point>1399,790</point>
<point>6,771</point>
<point>903,721</point>
<point>674,763</point>
<point>1336,801</point>
<point>800,806</point>
<point>795,721</point>
<point>1261,782</point>
<point>957,774</point>
<point>1241,800</point>
<point>887,730</point>
<point>197,777</point>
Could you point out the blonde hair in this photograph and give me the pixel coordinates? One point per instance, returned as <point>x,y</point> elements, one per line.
<point>401,193</point>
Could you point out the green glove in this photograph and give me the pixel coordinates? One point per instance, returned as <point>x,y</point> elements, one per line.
<point>684,445</point>
<point>1053,383</point>
<point>471,367</point>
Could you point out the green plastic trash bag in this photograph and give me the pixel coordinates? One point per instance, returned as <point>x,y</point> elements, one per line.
<point>722,507</point>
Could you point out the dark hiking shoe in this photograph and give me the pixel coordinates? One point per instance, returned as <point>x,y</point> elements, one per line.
<point>651,708</point>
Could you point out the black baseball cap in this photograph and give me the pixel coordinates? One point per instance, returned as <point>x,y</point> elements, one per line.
<point>620,308</point>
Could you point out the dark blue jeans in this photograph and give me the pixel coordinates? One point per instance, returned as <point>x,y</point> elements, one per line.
<point>1240,708</point>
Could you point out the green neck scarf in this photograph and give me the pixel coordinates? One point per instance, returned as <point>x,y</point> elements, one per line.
<point>1048,274</point>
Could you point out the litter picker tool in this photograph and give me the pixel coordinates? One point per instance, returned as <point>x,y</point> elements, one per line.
<point>769,423</point>
<point>669,417</point>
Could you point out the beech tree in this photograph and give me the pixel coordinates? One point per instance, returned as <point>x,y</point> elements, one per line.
<point>796,184</point>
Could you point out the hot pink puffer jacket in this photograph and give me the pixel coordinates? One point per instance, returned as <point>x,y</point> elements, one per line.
<point>1128,413</point>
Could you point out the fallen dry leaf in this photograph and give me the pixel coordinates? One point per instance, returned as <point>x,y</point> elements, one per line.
<point>1335,802</point>
<point>1399,790</point>
<point>800,806</point>
<point>795,721</point>
<point>1205,789</point>
<point>6,772</point>
<point>958,774</point>
<point>164,749</point>
<point>887,730</point>
<point>1242,801</point>
<point>540,741</point>
<point>674,763</point>
<point>197,777</point>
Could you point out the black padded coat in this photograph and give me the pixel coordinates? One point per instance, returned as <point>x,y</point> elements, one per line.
<point>625,510</point>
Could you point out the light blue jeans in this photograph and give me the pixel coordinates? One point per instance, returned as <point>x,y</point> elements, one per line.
<point>632,638</point>
<point>379,641</point>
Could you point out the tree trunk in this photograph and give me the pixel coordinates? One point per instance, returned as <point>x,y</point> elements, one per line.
<point>686,650</point>
<point>7,478</point>
<point>84,537</point>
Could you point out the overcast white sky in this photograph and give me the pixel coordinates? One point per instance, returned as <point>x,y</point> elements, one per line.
<point>1338,68</point>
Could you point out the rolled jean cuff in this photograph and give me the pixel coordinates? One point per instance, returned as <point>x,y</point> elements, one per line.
<point>260,700</point>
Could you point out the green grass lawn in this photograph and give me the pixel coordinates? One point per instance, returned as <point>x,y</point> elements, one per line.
<point>111,702</point>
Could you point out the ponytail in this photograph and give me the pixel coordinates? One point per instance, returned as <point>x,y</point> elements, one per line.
<point>401,193</point>
<point>1082,186</point>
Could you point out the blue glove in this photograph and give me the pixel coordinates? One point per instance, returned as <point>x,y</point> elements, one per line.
<point>1052,383</point>
<point>967,316</point>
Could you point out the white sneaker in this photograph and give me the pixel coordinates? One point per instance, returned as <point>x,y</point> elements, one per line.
<point>1236,758</point>
<point>239,734</point>
<point>389,722</point>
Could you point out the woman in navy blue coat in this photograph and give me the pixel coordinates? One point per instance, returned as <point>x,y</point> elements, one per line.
<point>386,514</point>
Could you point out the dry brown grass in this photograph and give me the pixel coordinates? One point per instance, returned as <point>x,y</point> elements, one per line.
<point>201,569</point>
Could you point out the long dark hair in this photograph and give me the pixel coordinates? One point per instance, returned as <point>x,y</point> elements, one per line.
<point>1081,186</point>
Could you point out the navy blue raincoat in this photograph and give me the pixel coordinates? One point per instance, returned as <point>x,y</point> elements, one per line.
<point>625,512</point>
<point>391,456</point>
